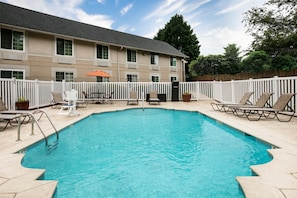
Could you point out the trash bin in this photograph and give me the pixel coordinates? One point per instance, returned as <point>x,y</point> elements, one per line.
<point>175,91</point>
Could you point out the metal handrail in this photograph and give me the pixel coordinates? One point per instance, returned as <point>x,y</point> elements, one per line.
<point>34,120</point>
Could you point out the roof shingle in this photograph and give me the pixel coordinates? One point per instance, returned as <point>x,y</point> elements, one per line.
<point>36,21</point>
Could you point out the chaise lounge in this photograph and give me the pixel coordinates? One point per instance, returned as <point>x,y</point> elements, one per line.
<point>280,108</point>
<point>222,106</point>
<point>263,101</point>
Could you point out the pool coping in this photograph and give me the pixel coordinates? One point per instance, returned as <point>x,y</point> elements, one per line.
<point>277,178</point>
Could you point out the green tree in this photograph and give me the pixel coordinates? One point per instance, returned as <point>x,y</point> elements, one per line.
<point>284,63</point>
<point>231,60</point>
<point>180,35</point>
<point>256,61</point>
<point>273,26</point>
<point>204,65</point>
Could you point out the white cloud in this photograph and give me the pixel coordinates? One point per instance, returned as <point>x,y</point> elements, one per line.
<point>123,28</point>
<point>213,41</point>
<point>125,9</point>
<point>189,7</point>
<point>166,8</point>
<point>232,8</point>
<point>100,1</point>
<point>67,9</point>
<point>97,20</point>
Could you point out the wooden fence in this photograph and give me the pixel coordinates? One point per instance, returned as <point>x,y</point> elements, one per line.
<point>245,75</point>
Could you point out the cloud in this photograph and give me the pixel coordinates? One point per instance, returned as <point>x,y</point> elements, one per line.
<point>67,9</point>
<point>125,9</point>
<point>214,40</point>
<point>232,8</point>
<point>123,28</point>
<point>100,1</point>
<point>96,19</point>
<point>165,8</point>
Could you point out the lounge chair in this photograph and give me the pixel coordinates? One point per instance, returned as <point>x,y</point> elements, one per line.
<point>133,98</point>
<point>108,97</point>
<point>220,106</point>
<point>154,97</point>
<point>8,118</point>
<point>263,101</point>
<point>58,100</point>
<point>281,107</point>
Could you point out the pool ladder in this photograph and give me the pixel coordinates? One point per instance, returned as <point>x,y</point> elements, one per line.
<point>34,120</point>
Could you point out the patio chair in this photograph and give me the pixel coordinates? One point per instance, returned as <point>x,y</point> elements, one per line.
<point>108,97</point>
<point>71,98</point>
<point>133,98</point>
<point>154,97</point>
<point>281,107</point>
<point>263,101</point>
<point>8,118</point>
<point>58,100</point>
<point>9,115</point>
<point>220,105</point>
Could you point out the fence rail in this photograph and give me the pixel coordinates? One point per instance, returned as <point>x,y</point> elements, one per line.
<point>39,92</point>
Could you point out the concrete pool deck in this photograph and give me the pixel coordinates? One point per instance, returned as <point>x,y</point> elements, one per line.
<point>276,179</point>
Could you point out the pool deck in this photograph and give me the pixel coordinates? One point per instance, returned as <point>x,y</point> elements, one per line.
<point>276,179</point>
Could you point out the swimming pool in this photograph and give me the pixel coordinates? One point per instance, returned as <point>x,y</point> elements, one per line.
<point>150,153</point>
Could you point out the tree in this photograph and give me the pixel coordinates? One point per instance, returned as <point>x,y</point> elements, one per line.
<point>180,35</point>
<point>231,60</point>
<point>256,61</point>
<point>273,26</point>
<point>284,63</point>
<point>204,65</point>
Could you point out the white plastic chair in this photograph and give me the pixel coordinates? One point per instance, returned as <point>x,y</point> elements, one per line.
<point>71,98</point>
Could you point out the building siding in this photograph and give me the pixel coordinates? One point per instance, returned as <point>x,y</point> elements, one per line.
<point>40,61</point>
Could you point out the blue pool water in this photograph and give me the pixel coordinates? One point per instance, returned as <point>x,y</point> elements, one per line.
<point>150,153</point>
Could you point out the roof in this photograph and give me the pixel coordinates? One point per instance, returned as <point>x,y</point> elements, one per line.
<point>37,21</point>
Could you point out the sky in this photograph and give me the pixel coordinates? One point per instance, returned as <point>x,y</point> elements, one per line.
<point>216,23</point>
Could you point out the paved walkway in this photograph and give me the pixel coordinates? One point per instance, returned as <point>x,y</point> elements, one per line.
<point>276,179</point>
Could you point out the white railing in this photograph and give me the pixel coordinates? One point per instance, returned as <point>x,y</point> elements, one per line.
<point>39,92</point>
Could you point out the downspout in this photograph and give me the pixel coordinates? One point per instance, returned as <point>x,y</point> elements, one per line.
<point>184,69</point>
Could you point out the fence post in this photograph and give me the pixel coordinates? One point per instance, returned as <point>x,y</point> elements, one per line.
<point>295,97</point>
<point>37,93</point>
<point>276,87</point>
<point>232,91</point>
<point>63,88</point>
<point>197,90</point>
<point>14,93</point>
<point>250,85</point>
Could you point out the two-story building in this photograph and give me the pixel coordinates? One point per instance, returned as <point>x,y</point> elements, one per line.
<point>35,45</point>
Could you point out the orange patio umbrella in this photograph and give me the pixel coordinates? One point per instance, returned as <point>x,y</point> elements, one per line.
<point>98,73</point>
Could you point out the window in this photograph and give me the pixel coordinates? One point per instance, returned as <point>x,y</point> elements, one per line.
<point>173,78</point>
<point>155,79</point>
<point>67,76</point>
<point>102,52</point>
<point>131,55</point>
<point>64,47</point>
<point>154,59</point>
<point>12,74</point>
<point>132,78</point>
<point>172,61</point>
<point>102,79</point>
<point>12,39</point>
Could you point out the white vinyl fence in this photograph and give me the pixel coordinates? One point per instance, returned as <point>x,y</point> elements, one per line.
<point>39,92</point>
